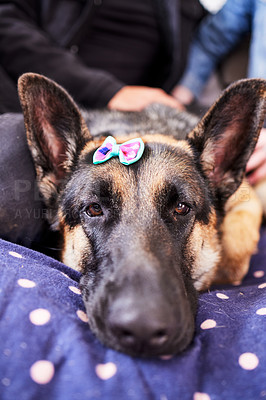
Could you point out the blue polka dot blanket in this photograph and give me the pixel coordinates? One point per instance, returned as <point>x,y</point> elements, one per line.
<point>47,351</point>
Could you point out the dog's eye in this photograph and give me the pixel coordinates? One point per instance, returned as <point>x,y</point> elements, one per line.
<point>94,210</point>
<point>182,209</point>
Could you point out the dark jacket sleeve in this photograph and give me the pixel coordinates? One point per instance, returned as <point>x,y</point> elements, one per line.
<point>25,47</point>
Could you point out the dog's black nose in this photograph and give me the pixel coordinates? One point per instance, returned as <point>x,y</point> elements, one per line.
<point>141,329</point>
<point>136,334</point>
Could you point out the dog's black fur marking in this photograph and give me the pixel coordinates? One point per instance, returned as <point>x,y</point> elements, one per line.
<point>140,259</point>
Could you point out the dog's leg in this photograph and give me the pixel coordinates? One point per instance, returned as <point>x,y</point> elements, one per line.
<point>260,189</point>
<point>240,234</point>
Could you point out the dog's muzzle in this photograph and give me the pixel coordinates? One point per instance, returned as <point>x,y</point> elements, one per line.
<point>142,316</point>
<point>147,329</point>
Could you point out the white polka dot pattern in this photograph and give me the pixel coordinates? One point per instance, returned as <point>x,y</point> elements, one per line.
<point>261,311</point>
<point>258,274</point>
<point>222,296</point>
<point>248,361</point>
<point>49,312</point>
<point>15,254</point>
<point>82,316</point>
<point>201,396</point>
<point>262,286</point>
<point>208,324</point>
<point>6,381</point>
<point>106,371</point>
<point>42,372</point>
<point>26,283</point>
<point>40,316</point>
<point>74,289</point>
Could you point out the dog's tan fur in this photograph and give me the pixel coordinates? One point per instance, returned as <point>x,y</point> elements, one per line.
<point>239,230</point>
<point>148,236</point>
<point>215,263</point>
<point>240,234</point>
<point>74,239</point>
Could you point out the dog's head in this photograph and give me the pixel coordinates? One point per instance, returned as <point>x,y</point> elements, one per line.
<point>144,235</point>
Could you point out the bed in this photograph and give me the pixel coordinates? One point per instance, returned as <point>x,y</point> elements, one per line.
<point>48,352</point>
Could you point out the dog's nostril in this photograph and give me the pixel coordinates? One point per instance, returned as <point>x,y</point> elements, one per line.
<point>137,336</point>
<point>127,337</point>
<point>134,329</point>
<point>159,338</point>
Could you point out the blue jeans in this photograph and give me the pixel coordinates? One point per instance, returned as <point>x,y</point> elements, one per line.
<point>257,59</point>
<point>219,33</point>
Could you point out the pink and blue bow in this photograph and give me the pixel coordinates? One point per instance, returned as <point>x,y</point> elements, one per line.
<point>128,152</point>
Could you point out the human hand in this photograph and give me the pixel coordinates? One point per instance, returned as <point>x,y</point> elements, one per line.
<point>183,95</point>
<point>135,98</point>
<point>256,167</point>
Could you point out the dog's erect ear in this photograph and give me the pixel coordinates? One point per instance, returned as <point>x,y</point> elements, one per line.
<point>56,131</point>
<point>226,136</point>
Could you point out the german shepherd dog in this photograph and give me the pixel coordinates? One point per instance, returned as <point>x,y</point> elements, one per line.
<point>150,235</point>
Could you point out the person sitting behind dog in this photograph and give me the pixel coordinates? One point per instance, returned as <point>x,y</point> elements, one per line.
<point>217,35</point>
<point>115,53</point>
<point>121,54</point>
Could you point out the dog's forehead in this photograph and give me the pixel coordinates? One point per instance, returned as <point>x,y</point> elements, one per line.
<point>158,148</point>
<point>147,139</point>
<point>165,159</point>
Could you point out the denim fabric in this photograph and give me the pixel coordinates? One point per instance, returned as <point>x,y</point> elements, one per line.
<point>257,62</point>
<point>219,33</point>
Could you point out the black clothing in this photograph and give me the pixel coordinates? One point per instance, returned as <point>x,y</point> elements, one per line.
<point>8,94</point>
<point>87,49</point>
<point>45,36</point>
<point>124,40</point>
<point>20,204</point>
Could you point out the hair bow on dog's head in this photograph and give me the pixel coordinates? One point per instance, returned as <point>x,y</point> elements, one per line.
<point>128,152</point>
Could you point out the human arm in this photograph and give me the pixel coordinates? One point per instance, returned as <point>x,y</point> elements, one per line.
<point>25,47</point>
<point>217,35</point>
<point>135,98</point>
